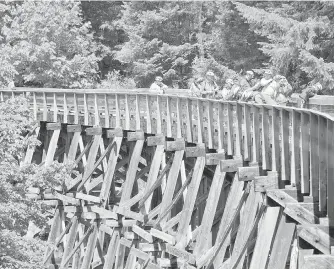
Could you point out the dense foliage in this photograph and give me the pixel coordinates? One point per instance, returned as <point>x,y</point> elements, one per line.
<point>300,46</point>
<point>49,45</point>
<point>78,44</point>
<point>16,211</point>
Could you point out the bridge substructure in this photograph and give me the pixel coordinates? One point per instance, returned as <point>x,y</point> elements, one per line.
<point>176,182</point>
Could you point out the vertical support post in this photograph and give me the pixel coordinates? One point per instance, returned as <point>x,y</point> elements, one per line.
<point>295,180</point>
<point>304,152</point>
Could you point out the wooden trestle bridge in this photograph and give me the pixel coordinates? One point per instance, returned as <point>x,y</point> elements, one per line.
<point>178,182</point>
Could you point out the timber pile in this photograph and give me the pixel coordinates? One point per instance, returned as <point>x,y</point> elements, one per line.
<point>176,182</point>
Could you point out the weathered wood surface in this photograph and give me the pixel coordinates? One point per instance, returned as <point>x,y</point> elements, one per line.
<point>143,201</point>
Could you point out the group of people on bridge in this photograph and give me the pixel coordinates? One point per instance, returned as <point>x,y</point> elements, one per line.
<point>270,89</point>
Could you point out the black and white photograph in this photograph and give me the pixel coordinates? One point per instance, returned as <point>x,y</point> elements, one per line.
<point>166,134</point>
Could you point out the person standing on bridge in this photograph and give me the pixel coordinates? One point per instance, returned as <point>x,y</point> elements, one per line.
<point>158,86</point>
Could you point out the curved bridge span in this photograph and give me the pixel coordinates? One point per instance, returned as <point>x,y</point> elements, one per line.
<point>177,182</point>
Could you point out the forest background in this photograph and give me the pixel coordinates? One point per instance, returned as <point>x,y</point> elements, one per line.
<point>125,45</point>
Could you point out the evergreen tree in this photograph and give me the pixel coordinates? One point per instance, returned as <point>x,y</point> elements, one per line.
<point>16,210</point>
<point>298,45</point>
<point>49,45</point>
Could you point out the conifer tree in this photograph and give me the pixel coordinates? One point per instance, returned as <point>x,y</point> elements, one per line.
<point>297,44</point>
<point>49,45</point>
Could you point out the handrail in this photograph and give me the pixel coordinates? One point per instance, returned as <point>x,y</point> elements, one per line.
<point>296,143</point>
<point>143,91</point>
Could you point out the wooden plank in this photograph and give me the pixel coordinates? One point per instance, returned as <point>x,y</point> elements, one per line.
<point>107,185</point>
<point>73,147</point>
<point>294,255</point>
<point>275,140</point>
<point>302,253</point>
<point>319,261</point>
<point>153,173</point>
<point>284,144</point>
<point>117,111</point>
<point>172,180</point>
<point>230,134</point>
<point>295,180</point>
<point>280,249</point>
<point>168,117</point>
<point>86,113</point>
<point>119,262</point>
<point>137,112</point>
<point>231,165</point>
<point>131,172</point>
<point>265,238</point>
<point>71,241</point>
<point>107,115</point>
<point>112,248</point>
<point>230,210</point>
<point>55,108</point>
<point>76,109</point>
<point>314,157</point>
<point>322,164</point>
<point>172,222</point>
<point>251,206</point>
<point>79,244</point>
<point>142,233</point>
<point>300,214</point>
<point>304,153</point>
<point>191,196</point>
<point>255,135</point>
<point>247,173</point>
<point>87,197</point>
<point>45,108</point>
<point>52,147</point>
<point>200,121</point>
<point>163,236</point>
<point>188,257</point>
<point>209,213</point>
<point>92,241</point>
<point>127,112</point>
<point>247,135</point>
<point>266,165</point>
<point>220,121</point>
<point>197,151</point>
<point>238,153</point>
<point>189,124</point>
<point>264,183</point>
<point>148,110</point>
<point>31,149</point>
<point>155,185</point>
<point>159,115</point>
<point>215,158</point>
<point>130,214</point>
<point>66,111</point>
<point>330,172</point>
<point>210,126</point>
<point>180,192</point>
<point>54,232</point>
<point>179,118</point>
<point>316,237</point>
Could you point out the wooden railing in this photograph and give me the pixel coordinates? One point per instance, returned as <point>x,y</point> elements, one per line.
<point>298,144</point>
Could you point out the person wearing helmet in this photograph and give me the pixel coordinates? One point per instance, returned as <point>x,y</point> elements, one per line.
<point>208,86</point>
<point>267,93</point>
<point>158,86</point>
<point>309,92</point>
<point>231,91</point>
<point>246,84</point>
